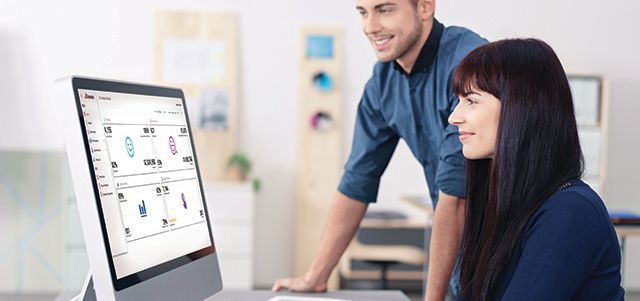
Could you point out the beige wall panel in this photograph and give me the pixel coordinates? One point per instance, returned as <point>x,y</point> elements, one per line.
<point>319,159</point>
<point>213,147</point>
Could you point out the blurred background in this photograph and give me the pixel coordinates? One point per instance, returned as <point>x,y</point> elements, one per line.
<point>262,78</point>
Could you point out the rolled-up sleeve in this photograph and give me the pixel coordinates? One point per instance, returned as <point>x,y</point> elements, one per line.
<point>373,144</point>
<point>450,176</point>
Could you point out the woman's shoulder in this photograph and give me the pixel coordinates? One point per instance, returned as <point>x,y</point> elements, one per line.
<point>576,206</point>
<point>576,196</point>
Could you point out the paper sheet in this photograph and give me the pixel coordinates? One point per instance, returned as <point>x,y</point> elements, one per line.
<point>191,61</point>
<point>293,298</point>
<point>586,99</point>
<point>214,107</point>
<point>590,143</point>
<point>210,110</point>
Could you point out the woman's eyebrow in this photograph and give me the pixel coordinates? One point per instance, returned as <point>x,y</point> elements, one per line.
<point>470,93</point>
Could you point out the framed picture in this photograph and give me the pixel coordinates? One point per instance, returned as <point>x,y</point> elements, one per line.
<point>587,98</point>
<point>590,141</point>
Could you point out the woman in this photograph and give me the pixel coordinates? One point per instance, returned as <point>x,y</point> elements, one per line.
<point>533,230</point>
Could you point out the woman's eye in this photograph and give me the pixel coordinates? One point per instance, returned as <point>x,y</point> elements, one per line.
<point>470,102</point>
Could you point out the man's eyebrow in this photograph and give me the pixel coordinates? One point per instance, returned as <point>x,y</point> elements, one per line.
<point>377,6</point>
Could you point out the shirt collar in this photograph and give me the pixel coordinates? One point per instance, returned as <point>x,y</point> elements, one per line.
<point>428,52</point>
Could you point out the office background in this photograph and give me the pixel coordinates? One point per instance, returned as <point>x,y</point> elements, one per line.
<point>44,40</point>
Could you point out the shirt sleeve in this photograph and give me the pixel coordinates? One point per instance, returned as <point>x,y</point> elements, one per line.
<point>450,176</point>
<point>560,250</point>
<point>373,144</point>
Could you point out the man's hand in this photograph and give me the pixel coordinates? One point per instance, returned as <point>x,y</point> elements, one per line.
<point>340,227</point>
<point>300,284</point>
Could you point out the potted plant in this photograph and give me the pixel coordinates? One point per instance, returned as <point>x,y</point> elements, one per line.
<point>238,167</point>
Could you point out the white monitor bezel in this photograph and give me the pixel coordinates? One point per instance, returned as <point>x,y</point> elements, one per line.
<point>86,187</point>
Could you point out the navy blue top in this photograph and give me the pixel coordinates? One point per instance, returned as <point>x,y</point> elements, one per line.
<point>414,107</point>
<point>569,251</point>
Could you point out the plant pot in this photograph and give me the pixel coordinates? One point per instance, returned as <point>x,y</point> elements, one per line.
<point>235,174</point>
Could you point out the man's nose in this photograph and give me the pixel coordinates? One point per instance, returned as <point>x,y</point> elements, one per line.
<point>371,25</point>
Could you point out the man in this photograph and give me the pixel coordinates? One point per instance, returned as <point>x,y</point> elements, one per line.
<point>409,96</point>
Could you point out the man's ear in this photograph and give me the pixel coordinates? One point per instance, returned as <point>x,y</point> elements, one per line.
<point>426,9</point>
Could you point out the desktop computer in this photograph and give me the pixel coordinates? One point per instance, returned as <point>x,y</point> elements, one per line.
<point>142,209</point>
<point>145,222</point>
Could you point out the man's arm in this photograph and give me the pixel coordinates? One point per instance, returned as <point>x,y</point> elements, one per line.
<point>448,224</point>
<point>345,215</point>
<point>373,145</point>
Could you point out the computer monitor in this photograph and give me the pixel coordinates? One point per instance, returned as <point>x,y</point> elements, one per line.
<point>142,207</point>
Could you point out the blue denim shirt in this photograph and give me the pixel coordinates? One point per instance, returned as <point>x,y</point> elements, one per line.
<point>414,107</point>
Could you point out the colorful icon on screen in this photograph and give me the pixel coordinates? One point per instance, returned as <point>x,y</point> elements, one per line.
<point>129,144</point>
<point>184,201</point>
<point>172,145</point>
<point>143,209</point>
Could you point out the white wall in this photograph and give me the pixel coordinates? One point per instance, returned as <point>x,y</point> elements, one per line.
<point>43,40</point>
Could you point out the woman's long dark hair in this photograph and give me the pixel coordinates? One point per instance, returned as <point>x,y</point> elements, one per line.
<point>537,151</point>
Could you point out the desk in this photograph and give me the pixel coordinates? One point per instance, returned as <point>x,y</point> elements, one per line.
<point>388,242</point>
<point>626,230</point>
<point>346,295</point>
<point>237,295</point>
<point>623,231</point>
<point>414,220</point>
<point>421,202</point>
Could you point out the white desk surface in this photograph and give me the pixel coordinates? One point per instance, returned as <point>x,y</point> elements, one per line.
<point>351,295</point>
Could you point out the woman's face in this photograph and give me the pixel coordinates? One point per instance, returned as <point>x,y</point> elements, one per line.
<point>477,117</point>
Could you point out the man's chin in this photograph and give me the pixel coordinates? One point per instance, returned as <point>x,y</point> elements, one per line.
<point>385,57</point>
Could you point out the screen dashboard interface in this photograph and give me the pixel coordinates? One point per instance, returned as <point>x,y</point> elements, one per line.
<point>146,177</point>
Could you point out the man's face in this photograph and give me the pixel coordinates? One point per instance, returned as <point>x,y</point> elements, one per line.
<point>393,27</point>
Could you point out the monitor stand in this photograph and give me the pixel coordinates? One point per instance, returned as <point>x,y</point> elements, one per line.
<point>87,293</point>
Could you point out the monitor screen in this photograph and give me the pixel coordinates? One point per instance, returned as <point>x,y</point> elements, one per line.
<point>146,179</point>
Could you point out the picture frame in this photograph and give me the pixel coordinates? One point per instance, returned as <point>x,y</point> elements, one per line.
<point>587,98</point>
